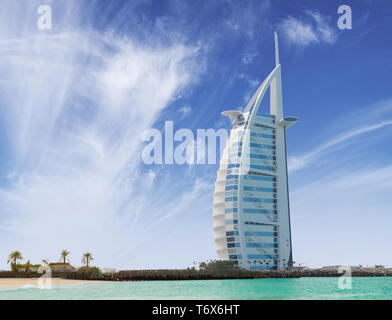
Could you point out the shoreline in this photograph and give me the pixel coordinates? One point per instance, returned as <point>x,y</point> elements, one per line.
<point>22,282</point>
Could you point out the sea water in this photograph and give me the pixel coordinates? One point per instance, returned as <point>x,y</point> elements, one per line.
<point>366,288</point>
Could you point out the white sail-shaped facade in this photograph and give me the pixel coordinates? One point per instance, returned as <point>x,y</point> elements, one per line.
<point>251,211</point>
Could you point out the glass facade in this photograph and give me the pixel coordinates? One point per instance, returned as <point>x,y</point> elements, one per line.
<point>258,192</point>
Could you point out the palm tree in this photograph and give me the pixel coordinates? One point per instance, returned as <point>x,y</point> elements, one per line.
<point>46,261</point>
<point>87,257</point>
<point>14,257</point>
<point>64,255</point>
<point>27,265</point>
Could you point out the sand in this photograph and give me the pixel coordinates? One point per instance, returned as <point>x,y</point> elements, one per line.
<point>6,283</point>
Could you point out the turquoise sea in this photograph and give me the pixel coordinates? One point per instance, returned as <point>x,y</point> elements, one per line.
<point>366,288</point>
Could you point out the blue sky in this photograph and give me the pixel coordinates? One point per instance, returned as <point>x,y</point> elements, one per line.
<point>75,100</point>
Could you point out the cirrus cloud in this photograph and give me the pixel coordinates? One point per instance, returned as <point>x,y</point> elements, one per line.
<point>312,28</point>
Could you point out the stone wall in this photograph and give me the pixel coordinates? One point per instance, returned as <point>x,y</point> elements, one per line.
<point>140,275</point>
<point>12,274</point>
<point>144,275</point>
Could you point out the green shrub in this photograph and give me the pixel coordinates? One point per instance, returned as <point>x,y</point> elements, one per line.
<point>93,272</point>
<point>217,265</point>
<point>17,267</point>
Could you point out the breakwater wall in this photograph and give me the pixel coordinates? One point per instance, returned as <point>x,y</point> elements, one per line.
<point>366,272</point>
<point>63,275</point>
<point>162,274</point>
<point>13,274</point>
<point>140,275</point>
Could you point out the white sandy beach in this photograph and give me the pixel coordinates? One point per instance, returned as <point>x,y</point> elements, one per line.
<point>11,283</point>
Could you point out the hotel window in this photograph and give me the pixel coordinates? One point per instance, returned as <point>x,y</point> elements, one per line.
<point>231,193</point>
<point>265,211</point>
<point>266,168</point>
<point>260,178</point>
<point>232,182</point>
<point>266,115</point>
<point>261,189</point>
<point>261,256</point>
<point>259,200</point>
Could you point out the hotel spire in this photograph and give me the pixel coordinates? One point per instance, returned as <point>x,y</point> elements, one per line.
<point>276,49</point>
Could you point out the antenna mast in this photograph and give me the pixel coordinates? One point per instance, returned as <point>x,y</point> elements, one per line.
<point>276,49</point>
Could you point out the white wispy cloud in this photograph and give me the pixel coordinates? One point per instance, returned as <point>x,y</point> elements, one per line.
<point>299,162</point>
<point>74,106</point>
<point>253,83</point>
<point>312,28</point>
<point>325,31</point>
<point>185,111</point>
<point>342,197</point>
<point>347,216</point>
<point>248,57</point>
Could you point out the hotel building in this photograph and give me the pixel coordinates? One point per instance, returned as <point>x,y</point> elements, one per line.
<point>251,211</point>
